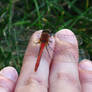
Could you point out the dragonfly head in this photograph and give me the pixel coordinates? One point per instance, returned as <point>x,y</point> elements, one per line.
<point>48,31</point>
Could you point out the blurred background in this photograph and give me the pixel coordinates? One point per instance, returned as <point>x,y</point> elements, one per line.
<point>20,18</point>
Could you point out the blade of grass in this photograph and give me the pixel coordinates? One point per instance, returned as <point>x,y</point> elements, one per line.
<point>66,24</point>
<point>37,20</point>
<point>87,3</point>
<point>21,22</point>
<point>16,47</point>
<point>73,6</point>
<point>79,17</point>
<point>5,35</point>
<point>38,12</point>
<point>61,9</point>
<point>10,14</point>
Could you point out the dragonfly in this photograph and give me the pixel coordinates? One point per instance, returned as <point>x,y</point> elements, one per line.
<point>44,40</point>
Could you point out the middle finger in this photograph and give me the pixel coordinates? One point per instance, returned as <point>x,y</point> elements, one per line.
<point>64,71</point>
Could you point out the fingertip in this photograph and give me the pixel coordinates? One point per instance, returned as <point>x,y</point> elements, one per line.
<point>85,71</point>
<point>10,73</point>
<point>33,46</point>
<point>36,34</point>
<point>66,42</point>
<point>85,75</point>
<point>85,65</point>
<point>8,78</point>
<point>66,35</point>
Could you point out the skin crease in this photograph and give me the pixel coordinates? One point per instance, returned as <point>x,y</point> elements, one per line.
<point>65,74</point>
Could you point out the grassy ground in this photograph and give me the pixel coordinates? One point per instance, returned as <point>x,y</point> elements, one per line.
<point>20,18</point>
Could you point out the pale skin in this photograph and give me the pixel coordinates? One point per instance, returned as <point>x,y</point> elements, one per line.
<point>61,74</point>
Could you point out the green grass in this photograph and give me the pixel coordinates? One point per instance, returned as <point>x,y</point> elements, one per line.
<point>19,19</point>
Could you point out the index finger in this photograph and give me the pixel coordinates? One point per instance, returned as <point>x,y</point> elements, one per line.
<point>29,80</point>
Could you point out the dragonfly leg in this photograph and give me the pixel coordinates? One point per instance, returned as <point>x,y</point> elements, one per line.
<point>50,41</point>
<point>37,42</point>
<point>48,52</point>
<point>49,46</point>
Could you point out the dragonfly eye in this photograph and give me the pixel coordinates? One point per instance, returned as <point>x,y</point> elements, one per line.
<point>48,31</point>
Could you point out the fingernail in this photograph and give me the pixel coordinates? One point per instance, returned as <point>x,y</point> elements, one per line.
<point>66,35</point>
<point>86,65</point>
<point>10,73</point>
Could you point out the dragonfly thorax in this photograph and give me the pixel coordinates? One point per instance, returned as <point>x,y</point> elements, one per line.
<point>44,37</point>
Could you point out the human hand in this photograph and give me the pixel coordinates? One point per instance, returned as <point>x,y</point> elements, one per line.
<point>62,74</point>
